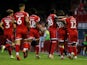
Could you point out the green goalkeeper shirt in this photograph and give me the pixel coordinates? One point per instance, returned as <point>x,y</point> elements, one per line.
<point>47,35</point>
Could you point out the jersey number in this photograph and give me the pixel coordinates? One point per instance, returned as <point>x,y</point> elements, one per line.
<point>73,23</point>
<point>19,21</point>
<point>32,23</point>
<point>50,22</point>
<point>7,24</point>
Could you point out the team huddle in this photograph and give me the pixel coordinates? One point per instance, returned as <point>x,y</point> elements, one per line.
<point>19,26</point>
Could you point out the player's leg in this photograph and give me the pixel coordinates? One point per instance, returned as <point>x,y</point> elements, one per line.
<point>26,46</point>
<point>53,35</point>
<point>17,49</point>
<point>37,47</point>
<point>70,49</point>
<point>41,44</point>
<point>4,42</point>
<point>37,38</point>
<point>61,49</point>
<point>17,45</point>
<point>61,37</point>
<point>75,42</point>
<point>2,48</point>
<point>74,50</point>
<point>9,48</point>
<point>34,35</point>
<point>52,49</point>
<point>8,44</point>
<point>72,45</point>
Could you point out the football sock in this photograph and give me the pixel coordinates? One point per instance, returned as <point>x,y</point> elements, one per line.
<point>53,47</point>
<point>17,49</point>
<point>37,49</point>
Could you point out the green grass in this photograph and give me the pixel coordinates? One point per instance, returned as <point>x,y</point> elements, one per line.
<point>44,60</point>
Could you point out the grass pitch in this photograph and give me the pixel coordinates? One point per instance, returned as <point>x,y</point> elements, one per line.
<point>44,60</point>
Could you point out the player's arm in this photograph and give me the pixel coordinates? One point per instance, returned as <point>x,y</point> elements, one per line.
<point>1,25</point>
<point>27,21</point>
<point>14,23</point>
<point>37,22</point>
<point>14,31</point>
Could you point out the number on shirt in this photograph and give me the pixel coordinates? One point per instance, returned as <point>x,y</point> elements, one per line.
<point>50,22</point>
<point>7,24</point>
<point>73,23</point>
<point>19,21</point>
<point>32,23</point>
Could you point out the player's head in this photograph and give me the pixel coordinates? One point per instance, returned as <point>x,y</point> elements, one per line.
<point>33,11</point>
<point>61,13</point>
<point>52,11</point>
<point>9,12</point>
<point>21,6</point>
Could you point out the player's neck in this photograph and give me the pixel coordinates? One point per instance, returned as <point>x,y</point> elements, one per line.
<point>21,10</point>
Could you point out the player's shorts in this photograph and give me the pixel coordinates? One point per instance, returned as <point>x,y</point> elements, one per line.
<point>61,35</point>
<point>72,36</point>
<point>21,33</point>
<point>9,35</point>
<point>33,33</point>
<point>53,33</point>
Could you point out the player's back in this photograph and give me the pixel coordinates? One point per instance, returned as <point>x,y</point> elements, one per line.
<point>71,23</point>
<point>50,20</point>
<point>7,23</point>
<point>20,19</point>
<point>33,20</point>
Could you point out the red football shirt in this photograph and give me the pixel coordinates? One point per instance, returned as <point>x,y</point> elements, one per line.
<point>33,20</point>
<point>20,19</point>
<point>50,20</point>
<point>7,23</point>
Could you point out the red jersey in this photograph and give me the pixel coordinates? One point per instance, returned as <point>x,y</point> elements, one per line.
<point>33,20</point>
<point>8,23</point>
<point>71,23</point>
<point>20,19</point>
<point>50,20</point>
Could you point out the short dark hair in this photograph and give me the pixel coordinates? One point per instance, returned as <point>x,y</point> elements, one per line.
<point>52,11</point>
<point>9,11</point>
<point>21,5</point>
<point>61,13</point>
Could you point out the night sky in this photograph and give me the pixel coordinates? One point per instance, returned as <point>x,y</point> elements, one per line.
<point>40,5</point>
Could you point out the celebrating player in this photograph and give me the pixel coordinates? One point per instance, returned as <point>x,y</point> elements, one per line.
<point>72,35</point>
<point>7,24</point>
<point>53,31</point>
<point>61,32</point>
<point>22,22</point>
<point>34,32</point>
